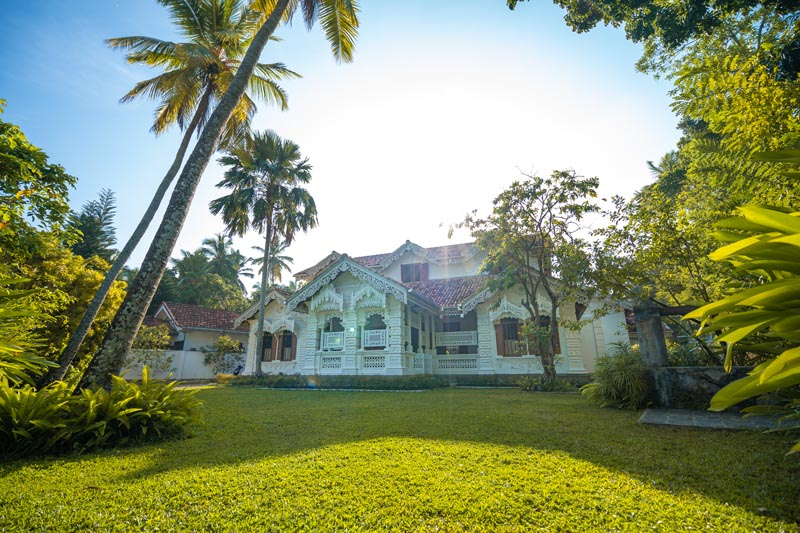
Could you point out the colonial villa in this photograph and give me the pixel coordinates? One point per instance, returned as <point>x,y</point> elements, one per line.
<point>412,311</point>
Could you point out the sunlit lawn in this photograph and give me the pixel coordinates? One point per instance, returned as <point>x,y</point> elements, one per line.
<point>443,460</point>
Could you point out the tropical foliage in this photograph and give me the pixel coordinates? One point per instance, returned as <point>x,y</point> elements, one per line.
<point>54,420</point>
<point>619,379</point>
<point>760,322</point>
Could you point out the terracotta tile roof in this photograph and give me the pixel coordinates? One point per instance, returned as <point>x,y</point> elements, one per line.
<point>151,322</point>
<point>451,250</point>
<point>196,317</point>
<point>448,292</point>
<point>371,261</point>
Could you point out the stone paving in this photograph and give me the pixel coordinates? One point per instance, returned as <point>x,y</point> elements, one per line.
<point>706,419</point>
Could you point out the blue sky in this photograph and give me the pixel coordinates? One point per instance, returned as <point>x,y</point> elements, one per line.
<point>443,106</point>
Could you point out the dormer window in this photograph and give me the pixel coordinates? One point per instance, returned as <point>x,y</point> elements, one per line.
<point>414,272</point>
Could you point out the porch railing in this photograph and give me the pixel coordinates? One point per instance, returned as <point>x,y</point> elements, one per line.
<point>332,341</point>
<point>457,338</point>
<point>374,338</point>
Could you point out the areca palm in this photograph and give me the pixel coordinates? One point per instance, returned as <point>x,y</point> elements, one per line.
<point>265,177</point>
<point>197,73</point>
<point>340,23</point>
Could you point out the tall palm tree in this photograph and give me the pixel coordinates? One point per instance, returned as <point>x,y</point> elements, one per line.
<point>277,262</point>
<point>228,263</point>
<point>265,177</point>
<point>340,23</point>
<point>197,74</point>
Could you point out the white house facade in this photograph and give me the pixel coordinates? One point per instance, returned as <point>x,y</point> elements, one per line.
<point>412,311</point>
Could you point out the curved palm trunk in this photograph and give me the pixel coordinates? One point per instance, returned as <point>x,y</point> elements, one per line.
<point>262,301</point>
<point>79,335</point>
<point>119,337</point>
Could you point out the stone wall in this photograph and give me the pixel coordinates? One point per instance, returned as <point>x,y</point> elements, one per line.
<point>689,387</point>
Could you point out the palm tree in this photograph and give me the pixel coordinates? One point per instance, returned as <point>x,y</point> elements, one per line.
<point>228,263</point>
<point>265,175</point>
<point>197,75</point>
<point>340,23</point>
<point>277,262</point>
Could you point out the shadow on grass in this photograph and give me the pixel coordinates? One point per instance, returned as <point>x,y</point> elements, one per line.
<point>245,425</point>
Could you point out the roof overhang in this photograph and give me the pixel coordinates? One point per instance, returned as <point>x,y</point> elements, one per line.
<point>251,311</point>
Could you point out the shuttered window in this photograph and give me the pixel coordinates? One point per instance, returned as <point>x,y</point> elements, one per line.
<point>414,272</point>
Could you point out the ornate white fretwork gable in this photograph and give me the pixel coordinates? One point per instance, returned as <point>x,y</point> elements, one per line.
<point>345,264</point>
<point>473,302</point>
<point>327,300</point>
<point>506,308</point>
<point>285,321</point>
<point>368,297</point>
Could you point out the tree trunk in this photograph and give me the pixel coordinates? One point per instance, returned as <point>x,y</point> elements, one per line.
<point>262,301</point>
<point>119,337</point>
<point>79,335</point>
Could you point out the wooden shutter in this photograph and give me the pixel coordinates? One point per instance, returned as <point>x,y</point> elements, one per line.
<point>265,347</point>
<point>294,347</point>
<point>423,272</point>
<point>275,347</point>
<point>498,333</point>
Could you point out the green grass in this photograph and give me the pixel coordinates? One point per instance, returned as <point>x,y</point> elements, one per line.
<point>442,460</point>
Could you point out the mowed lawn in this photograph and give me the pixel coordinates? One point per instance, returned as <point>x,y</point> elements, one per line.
<point>443,460</point>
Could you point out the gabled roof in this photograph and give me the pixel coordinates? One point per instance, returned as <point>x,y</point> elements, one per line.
<point>186,316</point>
<point>451,253</point>
<point>347,264</point>
<point>312,271</point>
<point>275,293</point>
<point>448,293</point>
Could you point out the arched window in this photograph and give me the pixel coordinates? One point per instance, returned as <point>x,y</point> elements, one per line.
<point>332,338</point>
<point>374,335</point>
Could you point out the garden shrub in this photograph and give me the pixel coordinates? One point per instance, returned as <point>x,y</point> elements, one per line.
<point>297,381</point>
<point>619,379</point>
<point>540,384</point>
<point>223,356</point>
<point>53,420</point>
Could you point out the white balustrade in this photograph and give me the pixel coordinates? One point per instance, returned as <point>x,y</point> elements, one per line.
<point>374,338</point>
<point>457,338</point>
<point>333,341</point>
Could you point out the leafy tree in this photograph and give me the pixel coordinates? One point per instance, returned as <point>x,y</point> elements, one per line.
<point>265,176</point>
<point>33,194</point>
<point>671,27</point>
<point>150,349</point>
<point>196,283</point>
<point>95,223</point>
<point>197,75</point>
<point>531,240</point>
<point>340,24</point>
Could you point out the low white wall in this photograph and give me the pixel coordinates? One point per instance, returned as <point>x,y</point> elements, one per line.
<point>186,364</point>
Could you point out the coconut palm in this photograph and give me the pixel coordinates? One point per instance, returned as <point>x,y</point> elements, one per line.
<point>228,263</point>
<point>277,262</point>
<point>197,73</point>
<point>340,23</point>
<point>265,176</point>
